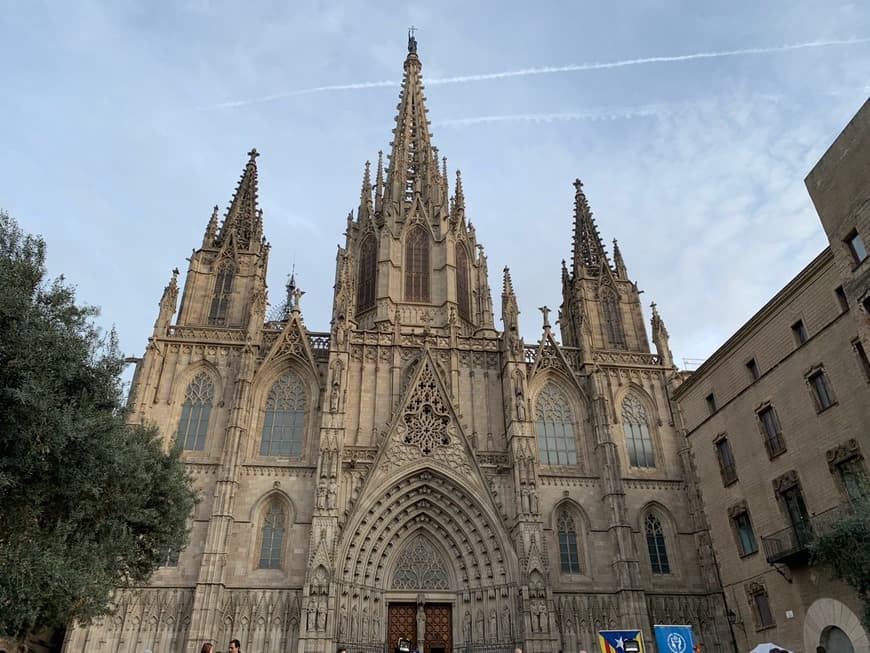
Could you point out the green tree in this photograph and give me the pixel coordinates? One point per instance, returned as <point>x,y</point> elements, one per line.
<point>844,545</point>
<point>88,502</point>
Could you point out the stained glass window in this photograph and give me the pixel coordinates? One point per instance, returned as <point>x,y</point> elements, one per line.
<point>368,267</point>
<point>417,266</point>
<point>272,537</point>
<point>555,427</point>
<point>655,543</point>
<point>635,425</point>
<point>462,291</point>
<point>195,411</point>
<point>568,553</point>
<point>284,421</point>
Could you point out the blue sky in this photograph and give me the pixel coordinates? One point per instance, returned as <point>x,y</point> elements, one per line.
<point>125,122</point>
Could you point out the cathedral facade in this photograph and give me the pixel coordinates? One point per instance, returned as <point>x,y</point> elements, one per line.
<point>415,472</point>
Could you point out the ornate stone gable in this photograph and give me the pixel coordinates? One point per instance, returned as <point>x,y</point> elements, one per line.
<point>426,432</point>
<point>549,356</point>
<point>293,341</point>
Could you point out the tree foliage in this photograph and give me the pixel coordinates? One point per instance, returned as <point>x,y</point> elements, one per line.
<point>845,546</point>
<point>88,502</point>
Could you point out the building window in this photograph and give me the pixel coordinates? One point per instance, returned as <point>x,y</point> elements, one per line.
<point>727,467</point>
<point>754,372</point>
<point>862,359</point>
<point>818,382</point>
<point>195,411</point>
<point>800,332</point>
<point>169,556</point>
<point>856,247</point>
<point>773,440</point>
<point>854,478</point>
<point>743,531</point>
<point>271,538</point>
<point>463,294</point>
<point>555,427</point>
<point>655,544</point>
<point>568,553</point>
<point>635,425</point>
<point>792,502</point>
<point>760,604</point>
<point>711,403</point>
<point>842,301</point>
<point>417,266</point>
<point>368,269</point>
<point>220,298</point>
<point>284,420</point>
<point>612,319</point>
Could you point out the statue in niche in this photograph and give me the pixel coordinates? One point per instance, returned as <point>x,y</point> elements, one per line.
<point>479,624</point>
<point>331,496</point>
<point>466,627</point>
<point>321,615</point>
<point>320,502</point>
<point>354,623</point>
<point>342,621</point>
<point>376,624</point>
<point>505,623</point>
<point>365,623</point>
<point>493,625</point>
<point>310,617</point>
<point>333,396</point>
<point>421,622</point>
<point>521,405</point>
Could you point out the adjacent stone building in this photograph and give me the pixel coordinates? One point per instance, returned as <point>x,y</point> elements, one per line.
<point>778,420</point>
<point>414,470</point>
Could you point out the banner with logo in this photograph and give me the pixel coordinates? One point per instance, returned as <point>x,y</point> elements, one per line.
<point>620,641</point>
<point>674,639</point>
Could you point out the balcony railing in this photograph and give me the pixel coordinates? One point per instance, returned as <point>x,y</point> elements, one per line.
<point>790,546</point>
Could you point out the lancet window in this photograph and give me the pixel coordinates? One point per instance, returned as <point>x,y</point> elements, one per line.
<point>655,544</point>
<point>612,319</point>
<point>568,552</point>
<point>417,266</point>
<point>272,537</point>
<point>284,419</point>
<point>555,427</point>
<point>368,267</point>
<point>635,425</point>
<point>463,295</point>
<point>220,298</point>
<point>195,411</point>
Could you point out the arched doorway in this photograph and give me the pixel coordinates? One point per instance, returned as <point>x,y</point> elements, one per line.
<point>836,641</point>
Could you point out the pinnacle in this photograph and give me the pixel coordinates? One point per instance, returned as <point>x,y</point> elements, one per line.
<point>589,251</point>
<point>243,221</point>
<point>508,287</point>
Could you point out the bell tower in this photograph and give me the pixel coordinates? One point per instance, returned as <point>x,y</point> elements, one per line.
<point>228,271</point>
<point>411,256</point>
<point>600,304</point>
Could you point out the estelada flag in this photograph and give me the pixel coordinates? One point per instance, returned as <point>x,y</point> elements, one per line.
<point>613,641</point>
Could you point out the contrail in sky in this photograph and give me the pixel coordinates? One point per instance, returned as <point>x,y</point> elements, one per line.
<point>546,70</point>
<point>599,115</point>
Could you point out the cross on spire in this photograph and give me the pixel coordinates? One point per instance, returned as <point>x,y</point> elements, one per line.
<point>412,41</point>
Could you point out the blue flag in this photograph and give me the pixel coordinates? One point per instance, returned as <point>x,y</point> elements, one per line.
<point>674,639</point>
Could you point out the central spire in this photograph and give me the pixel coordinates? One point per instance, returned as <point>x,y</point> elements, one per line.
<point>589,253</point>
<point>413,166</point>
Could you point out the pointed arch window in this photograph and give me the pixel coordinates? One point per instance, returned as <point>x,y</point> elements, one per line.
<point>463,295</point>
<point>195,411</point>
<point>368,268</point>
<point>284,420</point>
<point>417,266</point>
<point>220,298</point>
<point>612,319</point>
<point>655,544</point>
<point>555,427</point>
<point>272,537</point>
<point>637,438</point>
<point>569,558</point>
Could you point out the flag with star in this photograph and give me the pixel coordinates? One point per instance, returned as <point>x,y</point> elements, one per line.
<point>614,641</point>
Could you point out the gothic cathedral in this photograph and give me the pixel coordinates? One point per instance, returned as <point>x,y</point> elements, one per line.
<point>415,472</point>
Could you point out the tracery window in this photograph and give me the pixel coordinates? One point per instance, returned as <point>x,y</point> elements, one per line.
<point>655,544</point>
<point>195,411</point>
<point>417,266</point>
<point>284,421</point>
<point>220,298</point>
<point>463,300</point>
<point>555,427</point>
<point>568,552</point>
<point>368,268</point>
<point>272,538</point>
<point>420,567</point>
<point>612,319</point>
<point>635,425</point>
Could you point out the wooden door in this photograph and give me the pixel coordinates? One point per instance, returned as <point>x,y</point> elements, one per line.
<point>439,628</point>
<point>401,622</point>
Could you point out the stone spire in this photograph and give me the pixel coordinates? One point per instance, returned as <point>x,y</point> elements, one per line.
<point>589,254</point>
<point>244,220</point>
<point>457,208</point>
<point>618,263</point>
<point>168,302</point>
<point>365,197</point>
<point>660,338</point>
<point>379,183</point>
<point>509,310</point>
<point>411,170</point>
<point>211,228</point>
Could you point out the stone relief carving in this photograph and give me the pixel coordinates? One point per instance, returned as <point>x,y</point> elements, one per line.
<point>420,567</point>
